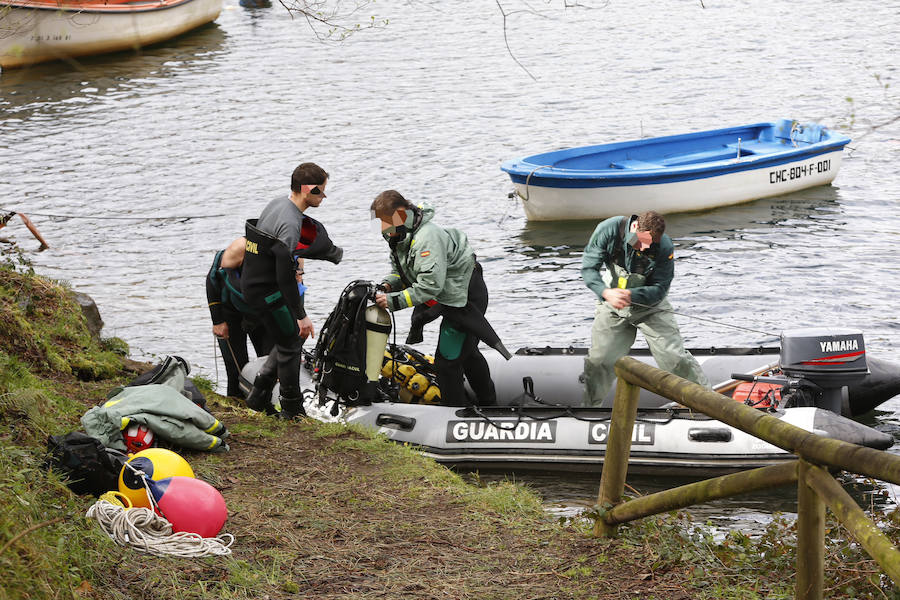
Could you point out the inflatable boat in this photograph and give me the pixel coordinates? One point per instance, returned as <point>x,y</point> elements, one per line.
<point>540,421</point>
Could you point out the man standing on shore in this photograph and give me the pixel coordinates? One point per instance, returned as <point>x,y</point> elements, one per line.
<point>629,263</point>
<point>275,243</point>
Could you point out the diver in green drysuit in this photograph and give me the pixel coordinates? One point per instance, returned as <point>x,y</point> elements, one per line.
<point>629,264</point>
<point>436,273</point>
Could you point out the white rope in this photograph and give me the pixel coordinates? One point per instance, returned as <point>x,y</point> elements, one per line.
<point>145,531</point>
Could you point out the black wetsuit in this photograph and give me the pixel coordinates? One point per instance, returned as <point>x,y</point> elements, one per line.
<point>226,306</point>
<point>270,287</point>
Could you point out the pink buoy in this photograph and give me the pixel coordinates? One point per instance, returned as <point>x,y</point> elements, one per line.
<point>190,505</point>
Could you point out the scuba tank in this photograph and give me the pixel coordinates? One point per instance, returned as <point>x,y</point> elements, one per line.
<point>341,359</point>
<point>414,372</point>
<point>354,364</point>
<point>378,326</point>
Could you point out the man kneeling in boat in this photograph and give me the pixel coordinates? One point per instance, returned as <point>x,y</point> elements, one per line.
<point>629,264</point>
<point>434,270</point>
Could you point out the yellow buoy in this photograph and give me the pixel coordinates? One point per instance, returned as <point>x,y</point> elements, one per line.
<point>156,464</point>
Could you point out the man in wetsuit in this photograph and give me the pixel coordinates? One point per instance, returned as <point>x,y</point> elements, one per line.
<point>434,270</point>
<point>275,242</point>
<point>629,264</point>
<point>233,320</point>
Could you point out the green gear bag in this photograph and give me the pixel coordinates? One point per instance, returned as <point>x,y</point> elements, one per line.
<point>450,341</point>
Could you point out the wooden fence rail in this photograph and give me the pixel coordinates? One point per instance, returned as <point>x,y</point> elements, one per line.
<point>816,488</point>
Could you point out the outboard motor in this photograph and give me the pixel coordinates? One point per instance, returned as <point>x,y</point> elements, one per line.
<point>823,363</point>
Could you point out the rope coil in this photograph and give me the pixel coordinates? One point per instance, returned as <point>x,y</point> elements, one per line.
<point>145,531</point>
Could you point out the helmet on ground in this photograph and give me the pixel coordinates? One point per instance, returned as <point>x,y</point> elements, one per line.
<point>138,437</point>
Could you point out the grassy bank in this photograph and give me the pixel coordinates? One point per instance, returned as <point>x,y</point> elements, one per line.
<point>325,511</point>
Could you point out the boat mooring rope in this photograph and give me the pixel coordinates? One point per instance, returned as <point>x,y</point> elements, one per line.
<point>675,312</point>
<point>145,531</point>
<point>118,217</point>
<point>528,180</point>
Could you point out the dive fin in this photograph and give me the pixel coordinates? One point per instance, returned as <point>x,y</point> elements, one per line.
<point>499,347</point>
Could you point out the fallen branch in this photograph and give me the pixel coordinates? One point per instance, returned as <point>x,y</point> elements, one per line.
<point>27,531</point>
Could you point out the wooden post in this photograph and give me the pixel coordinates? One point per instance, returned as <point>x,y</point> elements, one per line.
<point>816,449</point>
<point>815,486</point>
<point>699,492</point>
<point>810,538</point>
<point>851,516</point>
<point>618,449</point>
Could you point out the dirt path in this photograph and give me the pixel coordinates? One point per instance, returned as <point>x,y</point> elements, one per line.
<point>321,512</point>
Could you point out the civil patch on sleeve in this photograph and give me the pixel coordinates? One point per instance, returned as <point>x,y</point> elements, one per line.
<point>425,253</point>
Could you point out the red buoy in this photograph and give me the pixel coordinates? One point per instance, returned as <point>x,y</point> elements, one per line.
<point>190,505</point>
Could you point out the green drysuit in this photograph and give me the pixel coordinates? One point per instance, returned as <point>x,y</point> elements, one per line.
<point>162,408</point>
<point>648,275</point>
<point>437,262</point>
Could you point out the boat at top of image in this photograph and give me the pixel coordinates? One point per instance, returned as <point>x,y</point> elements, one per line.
<point>541,422</point>
<point>36,31</point>
<point>677,173</point>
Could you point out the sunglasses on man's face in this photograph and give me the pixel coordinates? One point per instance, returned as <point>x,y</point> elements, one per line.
<point>316,191</point>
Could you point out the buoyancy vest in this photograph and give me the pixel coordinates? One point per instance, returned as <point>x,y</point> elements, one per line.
<point>339,363</point>
<point>269,265</point>
<point>223,290</point>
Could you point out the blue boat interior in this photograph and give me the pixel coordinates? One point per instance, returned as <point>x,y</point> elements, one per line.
<point>690,149</point>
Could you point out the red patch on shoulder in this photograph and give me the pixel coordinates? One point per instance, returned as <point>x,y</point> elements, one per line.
<point>308,233</point>
<point>425,253</point>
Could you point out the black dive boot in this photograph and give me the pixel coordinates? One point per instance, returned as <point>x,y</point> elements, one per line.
<point>291,408</point>
<point>260,396</point>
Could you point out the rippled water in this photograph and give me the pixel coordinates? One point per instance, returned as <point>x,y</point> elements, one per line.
<point>211,125</point>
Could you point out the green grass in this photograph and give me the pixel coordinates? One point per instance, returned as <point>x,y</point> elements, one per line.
<point>326,510</point>
<point>39,520</point>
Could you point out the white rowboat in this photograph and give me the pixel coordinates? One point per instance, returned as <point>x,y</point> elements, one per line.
<point>679,173</point>
<point>35,31</point>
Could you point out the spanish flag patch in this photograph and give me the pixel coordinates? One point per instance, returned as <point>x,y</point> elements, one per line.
<point>425,253</point>
<point>671,255</point>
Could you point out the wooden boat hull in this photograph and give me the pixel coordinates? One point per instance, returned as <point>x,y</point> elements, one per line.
<point>676,173</point>
<point>33,31</point>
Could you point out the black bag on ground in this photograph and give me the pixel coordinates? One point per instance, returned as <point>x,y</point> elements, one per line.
<point>88,465</point>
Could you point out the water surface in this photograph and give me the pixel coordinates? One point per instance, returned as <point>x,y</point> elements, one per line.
<point>197,135</point>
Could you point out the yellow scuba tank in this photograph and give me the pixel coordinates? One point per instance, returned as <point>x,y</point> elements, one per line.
<point>417,384</point>
<point>415,375</point>
<point>432,395</point>
<point>389,366</point>
<point>404,373</point>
